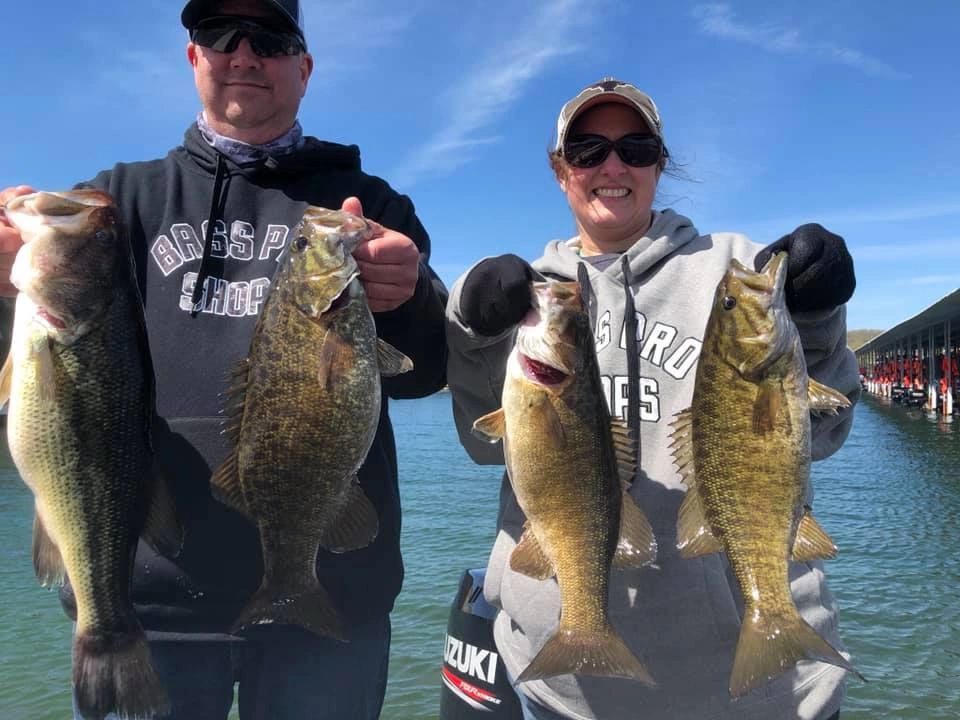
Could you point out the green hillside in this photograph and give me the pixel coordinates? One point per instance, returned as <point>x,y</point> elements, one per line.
<point>856,338</point>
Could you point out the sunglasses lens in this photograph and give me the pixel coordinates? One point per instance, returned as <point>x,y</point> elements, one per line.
<point>225,37</point>
<point>638,150</point>
<point>587,152</point>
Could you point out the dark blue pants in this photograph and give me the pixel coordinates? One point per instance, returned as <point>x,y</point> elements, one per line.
<point>533,711</point>
<point>282,672</point>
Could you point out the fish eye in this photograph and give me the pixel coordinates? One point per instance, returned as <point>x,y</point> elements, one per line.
<point>729,302</point>
<point>101,235</point>
<point>300,243</point>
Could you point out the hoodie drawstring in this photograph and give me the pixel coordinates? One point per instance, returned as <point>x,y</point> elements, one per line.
<point>633,358</point>
<point>204,270</point>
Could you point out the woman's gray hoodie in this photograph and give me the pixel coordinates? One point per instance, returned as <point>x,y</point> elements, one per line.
<point>683,616</point>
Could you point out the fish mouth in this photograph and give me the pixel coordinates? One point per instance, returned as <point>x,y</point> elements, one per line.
<point>68,210</point>
<point>542,373</point>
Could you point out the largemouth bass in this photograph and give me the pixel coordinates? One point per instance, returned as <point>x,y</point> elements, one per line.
<point>743,449</point>
<point>569,465</point>
<point>305,409</point>
<point>81,401</point>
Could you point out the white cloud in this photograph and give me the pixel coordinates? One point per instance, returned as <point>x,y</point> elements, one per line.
<point>718,20</point>
<point>491,86</point>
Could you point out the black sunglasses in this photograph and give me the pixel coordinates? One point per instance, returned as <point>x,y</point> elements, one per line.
<point>587,151</point>
<point>224,34</point>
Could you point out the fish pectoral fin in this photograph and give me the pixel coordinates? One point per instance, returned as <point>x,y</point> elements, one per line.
<point>812,541</point>
<point>529,558</point>
<point>766,407</point>
<point>694,536</point>
<point>45,374</point>
<point>824,399</point>
<point>47,561</point>
<point>332,349</point>
<point>491,427</point>
<point>6,379</point>
<point>392,361</point>
<point>356,524</point>
<point>225,485</point>
<point>637,545</point>
<point>162,529</point>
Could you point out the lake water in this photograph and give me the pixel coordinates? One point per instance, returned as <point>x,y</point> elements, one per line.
<point>890,498</point>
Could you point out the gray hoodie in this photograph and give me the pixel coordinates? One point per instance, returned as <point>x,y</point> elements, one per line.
<point>683,616</point>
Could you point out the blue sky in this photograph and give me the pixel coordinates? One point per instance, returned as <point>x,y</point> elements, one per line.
<point>844,112</point>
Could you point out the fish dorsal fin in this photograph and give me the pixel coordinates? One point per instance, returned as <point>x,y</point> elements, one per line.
<point>824,399</point>
<point>682,447</point>
<point>529,558</point>
<point>225,485</point>
<point>812,541</point>
<point>392,361</point>
<point>162,529</point>
<point>694,536</point>
<point>491,427</point>
<point>355,525</point>
<point>47,561</point>
<point>637,545</point>
<point>625,450</point>
<point>6,379</point>
<point>235,398</point>
<point>766,407</point>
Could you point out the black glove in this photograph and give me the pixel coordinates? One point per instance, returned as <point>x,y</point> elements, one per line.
<point>496,294</point>
<point>819,268</point>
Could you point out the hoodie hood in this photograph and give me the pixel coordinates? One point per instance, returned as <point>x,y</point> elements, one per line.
<point>314,153</point>
<point>668,233</point>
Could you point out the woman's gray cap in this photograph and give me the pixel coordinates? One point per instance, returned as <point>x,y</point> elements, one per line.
<point>608,90</point>
<point>288,10</point>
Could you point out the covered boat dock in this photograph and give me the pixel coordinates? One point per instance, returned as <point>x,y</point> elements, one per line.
<point>916,361</point>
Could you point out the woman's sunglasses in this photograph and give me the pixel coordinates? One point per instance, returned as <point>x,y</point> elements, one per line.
<point>587,151</point>
<point>224,34</point>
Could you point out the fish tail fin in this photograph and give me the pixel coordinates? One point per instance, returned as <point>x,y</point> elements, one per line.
<point>112,673</point>
<point>311,609</point>
<point>601,654</point>
<point>769,645</point>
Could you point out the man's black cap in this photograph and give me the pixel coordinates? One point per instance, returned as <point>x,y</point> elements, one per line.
<point>289,11</point>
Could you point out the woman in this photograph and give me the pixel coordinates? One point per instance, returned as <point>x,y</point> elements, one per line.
<point>683,617</point>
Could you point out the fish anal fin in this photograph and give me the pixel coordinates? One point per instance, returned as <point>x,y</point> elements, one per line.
<point>771,645</point>
<point>226,487</point>
<point>812,541</point>
<point>491,427</point>
<point>47,561</point>
<point>529,558</point>
<point>356,524</point>
<point>392,361</point>
<point>162,529</point>
<point>694,537</point>
<point>766,407</point>
<point>637,545</point>
<point>824,399</point>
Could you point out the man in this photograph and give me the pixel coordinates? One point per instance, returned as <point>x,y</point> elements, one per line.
<point>207,223</point>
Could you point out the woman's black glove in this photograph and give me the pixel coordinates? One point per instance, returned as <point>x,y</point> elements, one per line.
<point>496,294</point>
<point>819,268</point>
